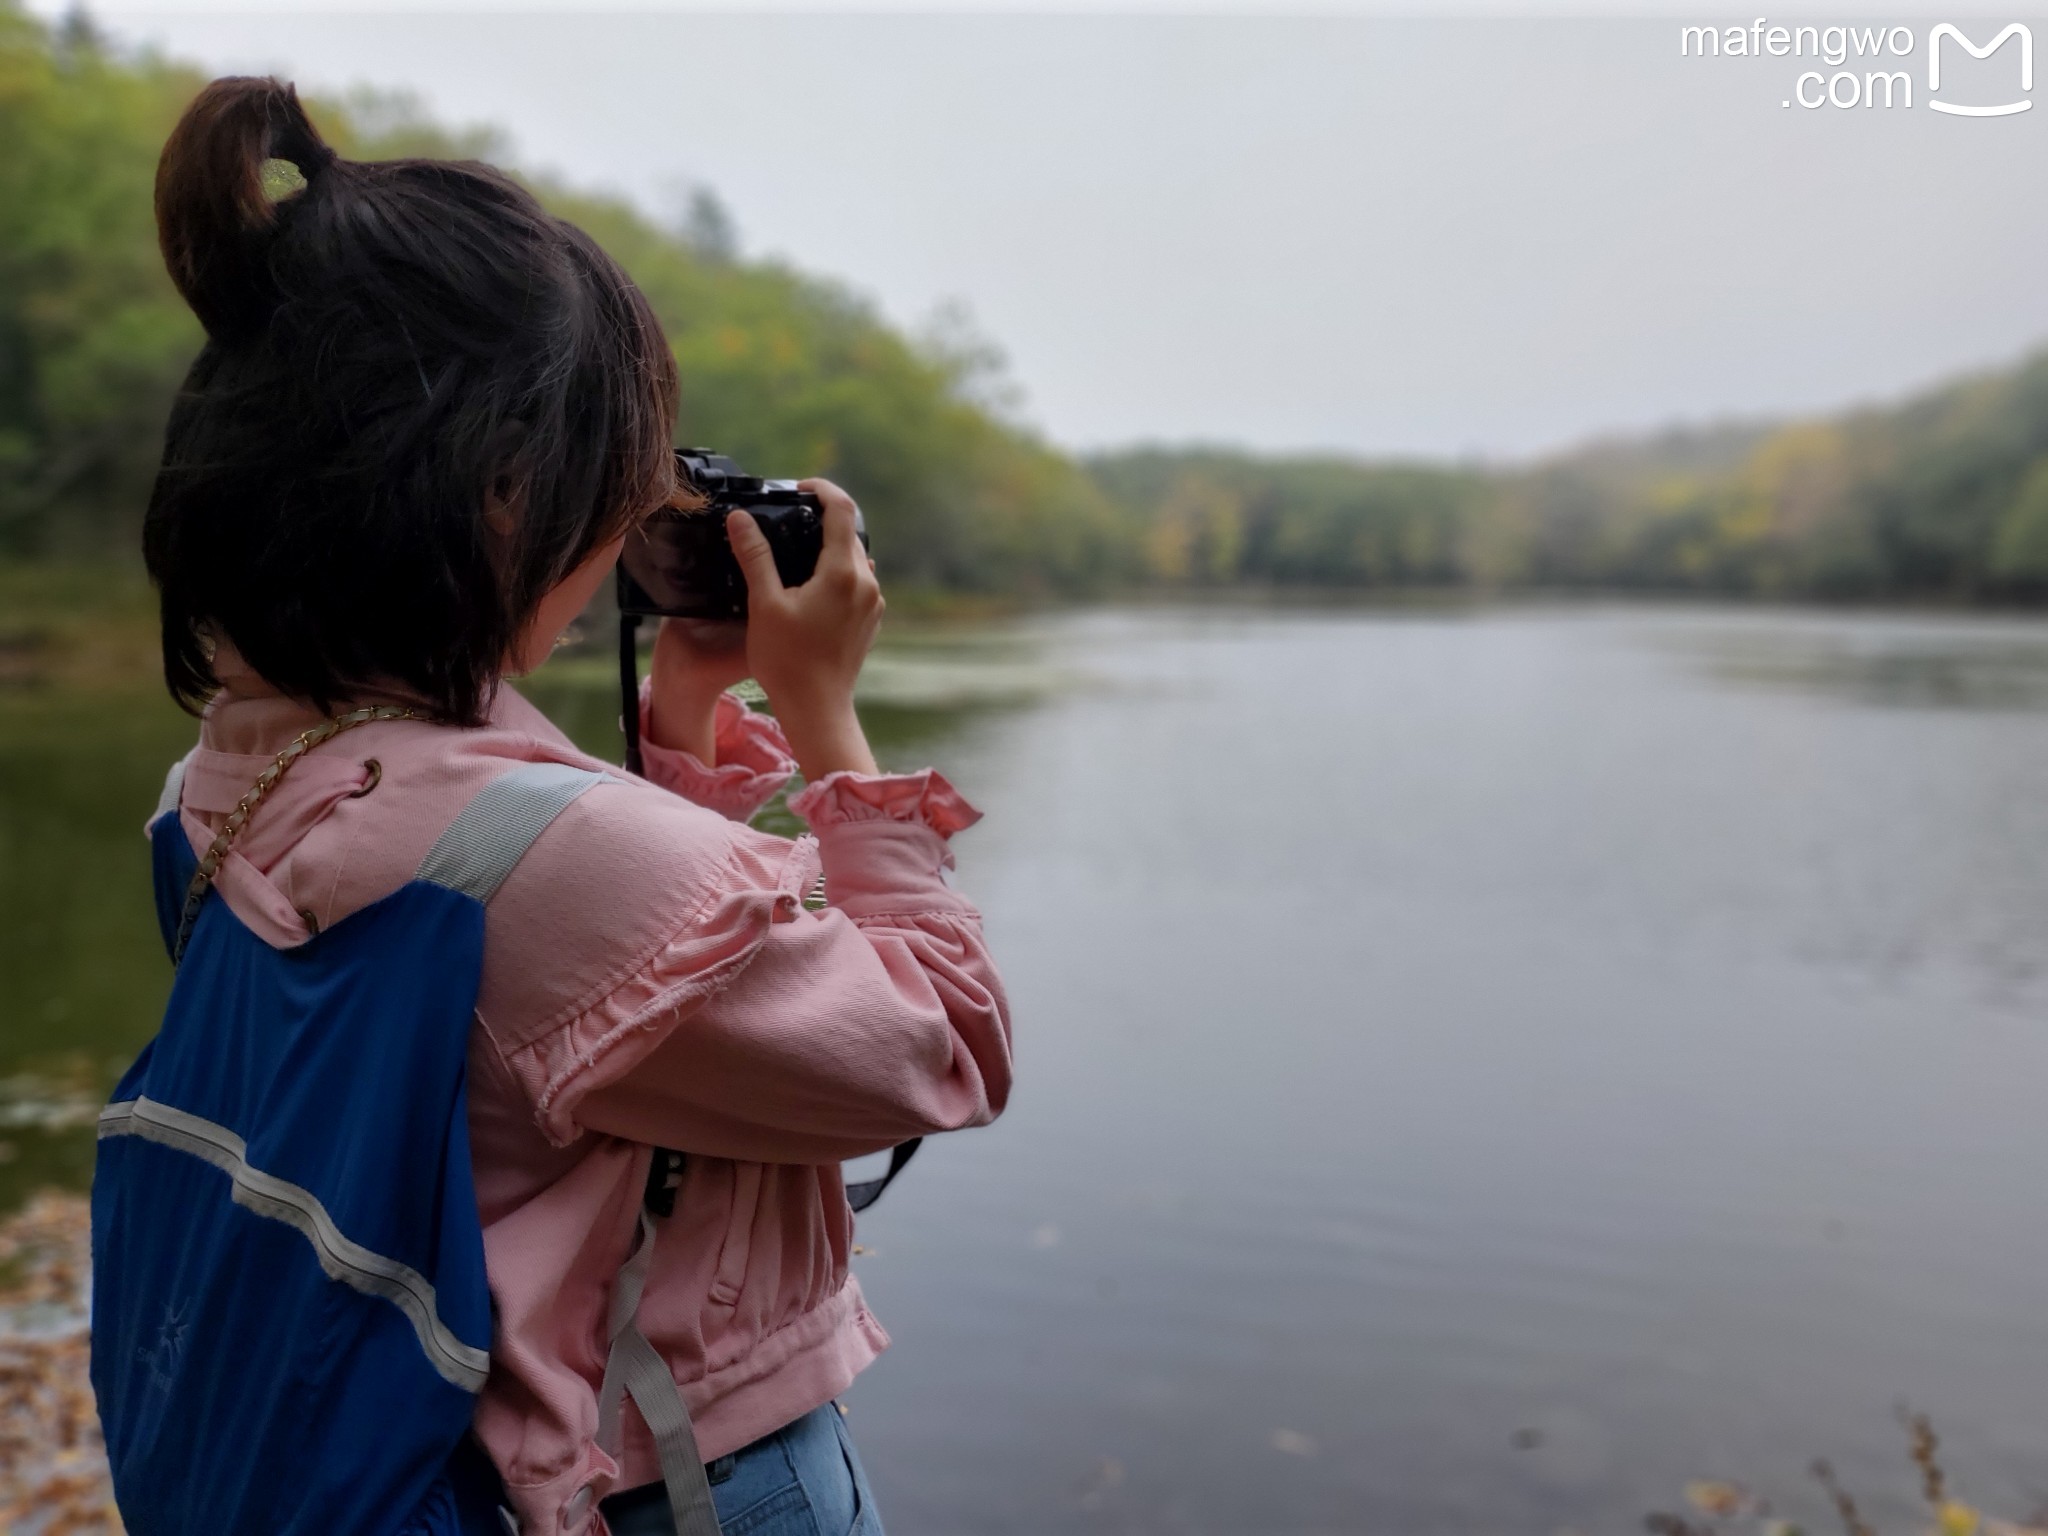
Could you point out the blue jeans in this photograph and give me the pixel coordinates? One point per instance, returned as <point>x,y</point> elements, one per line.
<point>803,1480</point>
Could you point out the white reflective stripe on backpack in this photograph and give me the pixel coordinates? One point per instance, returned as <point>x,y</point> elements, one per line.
<point>341,1258</point>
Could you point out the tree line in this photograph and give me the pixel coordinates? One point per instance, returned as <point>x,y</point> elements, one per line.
<point>1944,497</point>
<point>787,372</point>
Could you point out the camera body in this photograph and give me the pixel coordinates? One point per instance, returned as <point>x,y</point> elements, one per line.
<point>679,564</point>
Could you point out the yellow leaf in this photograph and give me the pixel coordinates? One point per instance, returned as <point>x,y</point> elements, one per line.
<point>1721,1499</point>
<point>1956,1519</point>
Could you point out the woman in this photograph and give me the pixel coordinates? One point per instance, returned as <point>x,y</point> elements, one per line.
<point>426,417</point>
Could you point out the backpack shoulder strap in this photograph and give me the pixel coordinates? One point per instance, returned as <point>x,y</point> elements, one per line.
<point>479,849</point>
<point>634,1368</point>
<point>174,788</point>
<point>495,830</point>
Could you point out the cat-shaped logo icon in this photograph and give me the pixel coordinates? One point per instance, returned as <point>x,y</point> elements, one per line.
<point>1948,29</point>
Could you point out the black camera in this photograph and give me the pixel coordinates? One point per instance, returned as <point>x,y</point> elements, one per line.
<point>678,563</point>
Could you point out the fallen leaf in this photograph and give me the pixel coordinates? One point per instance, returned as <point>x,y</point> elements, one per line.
<point>1715,1498</point>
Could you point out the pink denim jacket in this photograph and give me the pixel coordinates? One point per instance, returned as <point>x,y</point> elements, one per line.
<point>651,978</point>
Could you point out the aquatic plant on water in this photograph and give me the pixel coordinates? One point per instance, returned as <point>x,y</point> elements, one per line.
<point>1730,1507</point>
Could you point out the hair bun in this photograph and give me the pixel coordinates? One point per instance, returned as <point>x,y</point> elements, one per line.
<point>214,219</point>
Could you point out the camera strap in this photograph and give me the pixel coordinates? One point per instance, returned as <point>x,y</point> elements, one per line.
<point>864,1194</point>
<point>629,687</point>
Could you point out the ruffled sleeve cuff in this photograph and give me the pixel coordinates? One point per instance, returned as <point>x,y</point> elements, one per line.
<point>923,798</point>
<point>882,839</point>
<point>754,760</point>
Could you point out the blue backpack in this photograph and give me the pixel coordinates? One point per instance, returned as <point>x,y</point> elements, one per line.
<point>290,1321</point>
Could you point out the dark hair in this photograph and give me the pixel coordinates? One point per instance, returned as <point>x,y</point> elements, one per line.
<point>423,400</point>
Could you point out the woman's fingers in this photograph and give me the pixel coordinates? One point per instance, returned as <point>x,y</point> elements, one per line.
<point>806,644</point>
<point>757,560</point>
<point>842,523</point>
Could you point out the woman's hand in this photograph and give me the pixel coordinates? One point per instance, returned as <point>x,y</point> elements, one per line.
<point>805,645</point>
<point>695,660</point>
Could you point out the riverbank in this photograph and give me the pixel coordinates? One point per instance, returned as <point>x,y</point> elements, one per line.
<point>53,1465</point>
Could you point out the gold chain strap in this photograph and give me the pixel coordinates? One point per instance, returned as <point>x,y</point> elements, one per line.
<point>266,781</point>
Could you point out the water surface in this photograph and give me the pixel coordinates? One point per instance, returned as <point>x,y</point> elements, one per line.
<point>1477,1070</point>
<point>1480,1071</point>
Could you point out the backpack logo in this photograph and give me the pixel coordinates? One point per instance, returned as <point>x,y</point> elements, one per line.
<point>163,1358</point>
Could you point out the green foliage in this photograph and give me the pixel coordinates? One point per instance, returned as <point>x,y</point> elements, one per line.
<point>1944,497</point>
<point>92,337</point>
<point>796,375</point>
<point>2020,552</point>
<point>789,374</point>
<point>1212,518</point>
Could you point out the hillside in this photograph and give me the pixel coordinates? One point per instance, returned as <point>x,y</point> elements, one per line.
<point>787,372</point>
<point>1941,498</point>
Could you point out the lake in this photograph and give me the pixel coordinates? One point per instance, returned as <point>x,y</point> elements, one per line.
<point>1478,1070</point>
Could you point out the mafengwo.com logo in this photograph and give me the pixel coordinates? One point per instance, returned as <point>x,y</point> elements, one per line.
<point>1861,67</point>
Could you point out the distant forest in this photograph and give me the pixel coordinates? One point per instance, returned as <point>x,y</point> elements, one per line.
<point>1942,498</point>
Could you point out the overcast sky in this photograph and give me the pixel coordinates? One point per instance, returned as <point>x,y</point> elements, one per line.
<point>1463,235</point>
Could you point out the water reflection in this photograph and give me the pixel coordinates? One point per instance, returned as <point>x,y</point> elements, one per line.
<point>1925,663</point>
